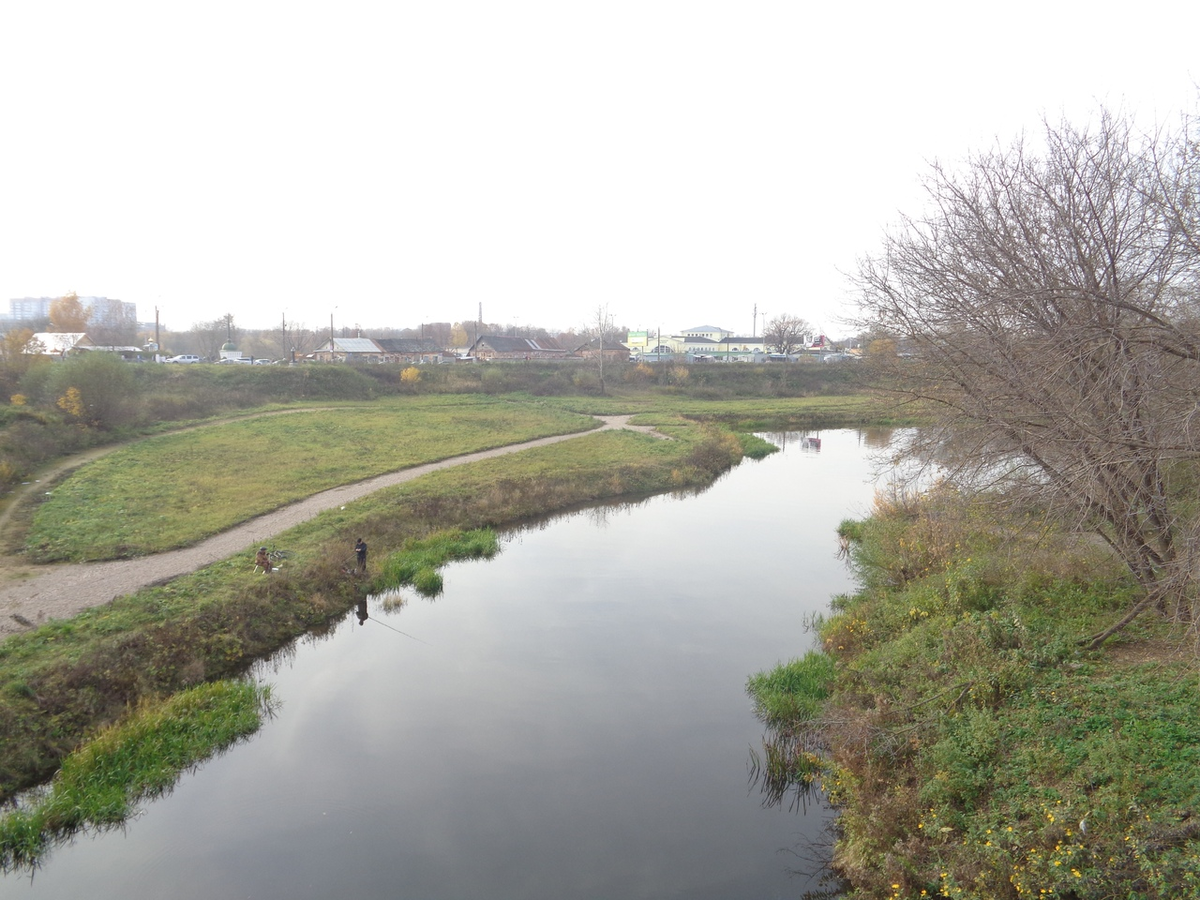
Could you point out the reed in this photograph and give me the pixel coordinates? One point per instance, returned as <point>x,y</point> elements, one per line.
<point>792,692</point>
<point>417,562</point>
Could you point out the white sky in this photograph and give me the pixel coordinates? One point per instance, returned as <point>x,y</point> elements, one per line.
<point>388,163</point>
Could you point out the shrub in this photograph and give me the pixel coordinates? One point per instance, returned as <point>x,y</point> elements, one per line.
<point>639,374</point>
<point>554,385</point>
<point>587,381</point>
<point>97,388</point>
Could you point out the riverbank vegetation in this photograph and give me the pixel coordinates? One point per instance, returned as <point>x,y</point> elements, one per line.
<point>100,785</point>
<point>417,563</point>
<point>972,742</point>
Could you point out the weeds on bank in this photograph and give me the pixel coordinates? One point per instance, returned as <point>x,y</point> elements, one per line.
<point>418,561</point>
<point>100,784</point>
<point>793,692</point>
<point>972,749</point>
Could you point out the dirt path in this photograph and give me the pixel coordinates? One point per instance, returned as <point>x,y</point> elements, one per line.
<point>36,594</point>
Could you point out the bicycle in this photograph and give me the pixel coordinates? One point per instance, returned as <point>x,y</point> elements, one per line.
<point>274,559</point>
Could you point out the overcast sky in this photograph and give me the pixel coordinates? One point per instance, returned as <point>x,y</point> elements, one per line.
<point>387,163</point>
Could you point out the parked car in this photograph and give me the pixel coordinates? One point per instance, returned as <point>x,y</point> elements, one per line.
<point>185,358</point>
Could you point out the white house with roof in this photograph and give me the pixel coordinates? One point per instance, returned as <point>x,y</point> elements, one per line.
<point>60,344</point>
<point>347,349</point>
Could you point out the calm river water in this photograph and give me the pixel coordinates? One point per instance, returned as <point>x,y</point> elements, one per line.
<point>568,720</point>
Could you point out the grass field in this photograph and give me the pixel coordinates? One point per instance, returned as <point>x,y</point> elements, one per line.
<point>173,490</point>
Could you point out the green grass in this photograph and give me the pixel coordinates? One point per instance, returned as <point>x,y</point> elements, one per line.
<point>966,736</point>
<point>101,783</point>
<point>793,691</point>
<point>174,490</point>
<point>418,561</point>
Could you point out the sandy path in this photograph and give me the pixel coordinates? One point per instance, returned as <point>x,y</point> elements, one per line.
<point>62,591</point>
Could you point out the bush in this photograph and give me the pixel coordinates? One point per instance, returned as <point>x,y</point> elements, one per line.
<point>104,386</point>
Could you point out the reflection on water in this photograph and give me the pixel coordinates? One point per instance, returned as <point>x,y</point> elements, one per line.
<point>808,440</point>
<point>568,719</point>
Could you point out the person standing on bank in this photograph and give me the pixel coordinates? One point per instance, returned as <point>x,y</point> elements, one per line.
<point>360,553</point>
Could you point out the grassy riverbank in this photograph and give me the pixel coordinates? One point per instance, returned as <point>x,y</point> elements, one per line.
<point>972,748</point>
<point>61,681</point>
<point>140,758</point>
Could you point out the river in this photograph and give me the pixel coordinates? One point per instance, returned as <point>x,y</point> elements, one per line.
<point>567,720</point>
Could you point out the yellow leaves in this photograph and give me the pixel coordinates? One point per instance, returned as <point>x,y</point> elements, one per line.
<point>71,403</point>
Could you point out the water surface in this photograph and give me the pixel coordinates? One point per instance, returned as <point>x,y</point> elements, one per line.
<point>568,720</point>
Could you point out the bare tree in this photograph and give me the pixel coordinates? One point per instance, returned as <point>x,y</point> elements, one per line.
<point>785,334</point>
<point>1047,305</point>
<point>210,336</point>
<point>112,322</point>
<point>301,339</point>
<point>603,334</point>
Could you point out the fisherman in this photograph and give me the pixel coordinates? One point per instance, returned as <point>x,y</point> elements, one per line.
<point>360,553</point>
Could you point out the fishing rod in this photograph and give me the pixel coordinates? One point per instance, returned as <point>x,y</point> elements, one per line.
<point>398,631</point>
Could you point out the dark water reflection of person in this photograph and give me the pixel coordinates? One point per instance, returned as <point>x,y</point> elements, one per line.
<point>361,610</point>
